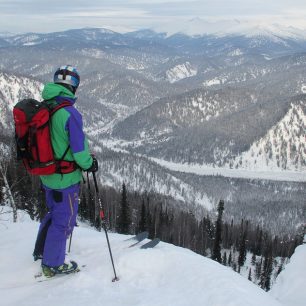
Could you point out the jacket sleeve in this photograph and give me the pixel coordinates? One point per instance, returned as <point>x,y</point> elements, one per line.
<point>77,140</point>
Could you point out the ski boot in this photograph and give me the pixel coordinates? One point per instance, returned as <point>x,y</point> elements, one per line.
<point>65,268</point>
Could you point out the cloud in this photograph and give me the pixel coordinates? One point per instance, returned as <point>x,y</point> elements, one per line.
<point>113,13</point>
<point>27,15</point>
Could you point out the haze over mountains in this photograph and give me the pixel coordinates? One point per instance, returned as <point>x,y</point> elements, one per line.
<point>233,99</point>
<point>224,27</point>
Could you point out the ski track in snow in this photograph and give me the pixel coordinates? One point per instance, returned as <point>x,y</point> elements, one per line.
<point>163,276</point>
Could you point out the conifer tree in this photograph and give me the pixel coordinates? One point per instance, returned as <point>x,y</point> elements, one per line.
<point>258,243</point>
<point>265,278</point>
<point>207,235</point>
<point>224,259</point>
<point>124,220</point>
<point>142,226</point>
<point>242,245</point>
<point>160,223</point>
<point>150,223</point>
<point>98,223</point>
<point>250,275</point>
<point>229,262</point>
<point>280,269</point>
<point>225,238</point>
<point>258,268</point>
<point>253,260</point>
<point>216,255</point>
<point>234,266</point>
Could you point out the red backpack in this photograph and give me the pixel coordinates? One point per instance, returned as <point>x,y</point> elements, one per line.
<point>33,139</point>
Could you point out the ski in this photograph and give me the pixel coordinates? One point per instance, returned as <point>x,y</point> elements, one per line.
<point>45,279</point>
<point>151,244</point>
<point>139,237</point>
<point>41,278</point>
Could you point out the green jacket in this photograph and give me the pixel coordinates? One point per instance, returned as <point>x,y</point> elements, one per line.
<point>66,130</point>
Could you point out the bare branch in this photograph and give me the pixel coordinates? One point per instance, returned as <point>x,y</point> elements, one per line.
<point>15,183</point>
<point>9,192</point>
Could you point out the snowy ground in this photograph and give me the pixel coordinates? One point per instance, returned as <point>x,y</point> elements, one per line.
<point>163,276</point>
<point>291,284</point>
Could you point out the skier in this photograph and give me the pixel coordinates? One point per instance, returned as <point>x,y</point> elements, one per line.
<point>62,189</point>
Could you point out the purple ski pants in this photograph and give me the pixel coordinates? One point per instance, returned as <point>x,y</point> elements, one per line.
<point>59,223</point>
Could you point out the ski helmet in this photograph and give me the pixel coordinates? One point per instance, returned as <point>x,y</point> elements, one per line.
<point>67,75</point>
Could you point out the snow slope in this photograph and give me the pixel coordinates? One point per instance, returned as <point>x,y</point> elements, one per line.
<point>282,148</point>
<point>166,275</point>
<point>180,72</point>
<point>291,283</point>
<point>13,89</point>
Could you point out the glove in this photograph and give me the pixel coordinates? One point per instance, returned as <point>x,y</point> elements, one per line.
<point>94,166</point>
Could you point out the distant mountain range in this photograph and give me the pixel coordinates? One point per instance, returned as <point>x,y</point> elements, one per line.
<point>230,101</point>
<point>213,99</point>
<point>199,27</point>
<point>187,36</point>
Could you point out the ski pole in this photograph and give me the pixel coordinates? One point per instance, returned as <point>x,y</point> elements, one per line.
<point>70,242</point>
<point>104,225</point>
<point>76,225</point>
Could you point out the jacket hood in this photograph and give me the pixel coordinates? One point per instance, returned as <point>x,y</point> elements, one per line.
<point>52,90</point>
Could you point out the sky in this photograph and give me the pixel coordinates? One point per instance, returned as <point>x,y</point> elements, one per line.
<point>19,16</point>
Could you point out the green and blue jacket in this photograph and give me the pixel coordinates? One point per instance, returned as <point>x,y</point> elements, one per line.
<point>66,130</point>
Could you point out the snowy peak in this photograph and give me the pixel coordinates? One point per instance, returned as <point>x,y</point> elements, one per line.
<point>199,27</point>
<point>283,147</point>
<point>275,32</point>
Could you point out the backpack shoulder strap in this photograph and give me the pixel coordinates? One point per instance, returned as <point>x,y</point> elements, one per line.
<point>54,109</point>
